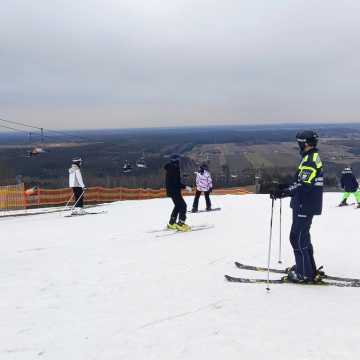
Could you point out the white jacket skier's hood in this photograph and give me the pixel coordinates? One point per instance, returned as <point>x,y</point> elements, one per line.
<point>73,169</point>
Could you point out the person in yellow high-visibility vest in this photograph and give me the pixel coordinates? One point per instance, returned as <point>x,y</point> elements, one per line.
<point>307,198</point>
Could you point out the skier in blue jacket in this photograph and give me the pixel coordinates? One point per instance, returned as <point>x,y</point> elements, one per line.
<point>306,201</point>
<point>350,185</point>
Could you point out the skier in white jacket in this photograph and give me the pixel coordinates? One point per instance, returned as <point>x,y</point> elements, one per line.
<point>203,184</point>
<point>77,184</point>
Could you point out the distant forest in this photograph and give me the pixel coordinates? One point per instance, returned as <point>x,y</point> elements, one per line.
<point>147,150</point>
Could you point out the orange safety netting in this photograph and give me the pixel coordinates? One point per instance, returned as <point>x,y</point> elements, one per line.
<point>12,197</point>
<point>45,197</point>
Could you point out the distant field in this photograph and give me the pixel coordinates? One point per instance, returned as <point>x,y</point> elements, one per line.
<point>234,154</point>
<point>239,157</point>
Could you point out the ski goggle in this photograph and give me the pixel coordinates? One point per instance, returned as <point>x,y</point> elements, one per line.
<point>301,144</point>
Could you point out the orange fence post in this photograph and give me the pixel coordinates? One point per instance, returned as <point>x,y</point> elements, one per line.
<point>39,196</point>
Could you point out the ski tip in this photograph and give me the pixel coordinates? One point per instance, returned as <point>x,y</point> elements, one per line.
<point>230,278</point>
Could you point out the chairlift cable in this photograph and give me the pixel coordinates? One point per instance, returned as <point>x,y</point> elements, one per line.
<point>42,129</point>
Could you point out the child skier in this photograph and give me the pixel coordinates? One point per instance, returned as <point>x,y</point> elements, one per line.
<point>173,190</point>
<point>203,184</point>
<point>77,184</point>
<point>350,185</point>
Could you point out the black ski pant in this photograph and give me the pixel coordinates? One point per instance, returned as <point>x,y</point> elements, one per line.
<point>301,242</point>
<point>179,208</point>
<point>197,197</point>
<point>79,196</point>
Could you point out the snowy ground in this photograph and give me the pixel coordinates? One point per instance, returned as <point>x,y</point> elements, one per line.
<point>103,287</point>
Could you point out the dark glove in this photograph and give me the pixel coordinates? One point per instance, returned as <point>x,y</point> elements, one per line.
<point>210,190</point>
<point>283,186</point>
<point>276,194</point>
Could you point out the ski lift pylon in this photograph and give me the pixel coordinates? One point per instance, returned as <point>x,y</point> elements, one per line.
<point>36,149</point>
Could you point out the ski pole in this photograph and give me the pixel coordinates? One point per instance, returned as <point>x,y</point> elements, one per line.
<point>269,252</point>
<point>82,194</point>
<point>72,195</point>
<point>280,232</point>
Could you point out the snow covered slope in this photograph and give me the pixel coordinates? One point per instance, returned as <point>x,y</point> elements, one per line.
<point>104,287</point>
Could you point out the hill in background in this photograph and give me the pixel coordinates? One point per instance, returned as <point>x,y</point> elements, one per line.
<point>235,154</point>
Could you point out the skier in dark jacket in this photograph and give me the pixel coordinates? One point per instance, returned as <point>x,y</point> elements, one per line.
<point>173,190</point>
<point>307,195</point>
<point>350,185</point>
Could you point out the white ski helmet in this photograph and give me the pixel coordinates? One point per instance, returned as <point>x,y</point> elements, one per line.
<point>77,161</point>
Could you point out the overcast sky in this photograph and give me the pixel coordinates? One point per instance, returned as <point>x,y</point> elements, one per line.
<point>144,63</point>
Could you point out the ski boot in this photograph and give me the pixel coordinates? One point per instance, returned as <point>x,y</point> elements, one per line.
<point>208,209</point>
<point>320,274</point>
<point>193,210</point>
<point>293,277</point>
<point>81,211</point>
<point>343,203</point>
<point>172,226</point>
<point>291,268</point>
<point>318,278</point>
<point>181,226</point>
<point>78,211</point>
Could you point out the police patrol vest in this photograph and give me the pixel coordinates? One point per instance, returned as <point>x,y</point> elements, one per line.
<point>307,194</point>
<point>309,174</point>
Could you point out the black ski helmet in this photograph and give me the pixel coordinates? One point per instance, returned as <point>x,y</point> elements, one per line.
<point>204,167</point>
<point>309,137</point>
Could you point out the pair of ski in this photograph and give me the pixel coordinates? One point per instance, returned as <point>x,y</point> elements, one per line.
<point>169,232</point>
<point>87,213</point>
<point>201,211</point>
<point>327,280</point>
<point>347,205</point>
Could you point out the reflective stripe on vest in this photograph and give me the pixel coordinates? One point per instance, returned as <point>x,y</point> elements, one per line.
<point>317,160</point>
<point>309,171</point>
